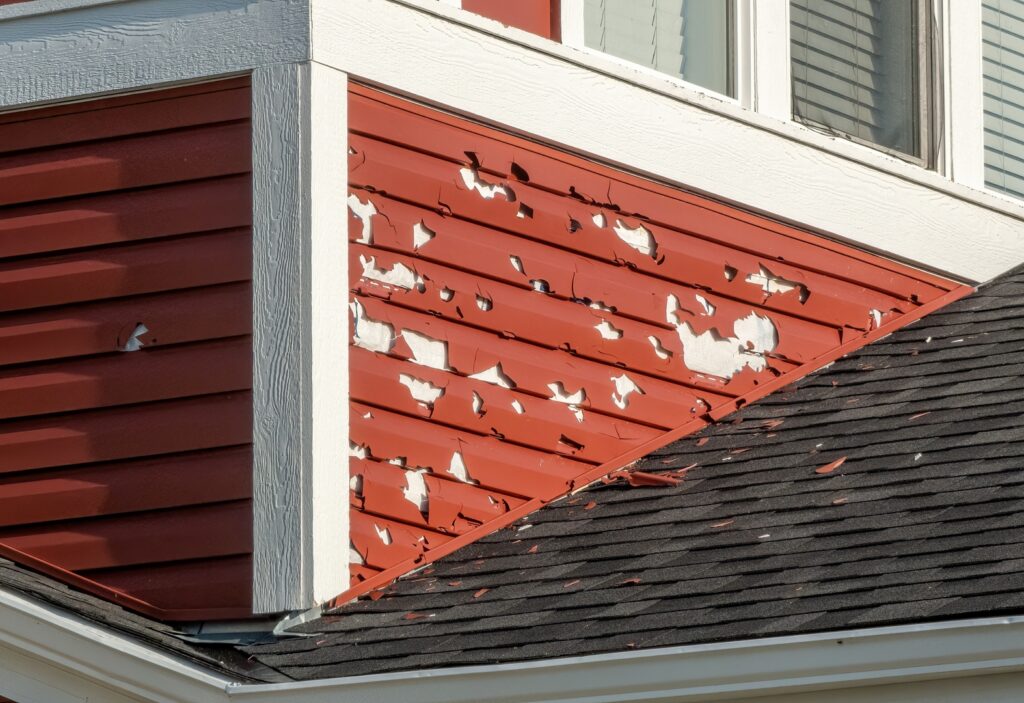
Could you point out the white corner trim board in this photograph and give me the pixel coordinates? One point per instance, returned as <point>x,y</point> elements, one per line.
<point>47,655</point>
<point>658,127</point>
<point>300,355</point>
<point>56,50</point>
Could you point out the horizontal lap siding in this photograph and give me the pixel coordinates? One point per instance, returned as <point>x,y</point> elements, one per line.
<point>472,250</point>
<point>127,221</point>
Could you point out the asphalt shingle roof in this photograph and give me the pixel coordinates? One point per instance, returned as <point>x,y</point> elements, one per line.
<point>920,522</point>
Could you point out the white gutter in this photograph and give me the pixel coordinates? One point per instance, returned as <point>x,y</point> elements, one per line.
<point>82,655</point>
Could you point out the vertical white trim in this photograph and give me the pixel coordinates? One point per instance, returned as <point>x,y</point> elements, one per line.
<point>329,329</point>
<point>770,54</point>
<point>964,134</point>
<point>572,23</point>
<point>300,402</point>
<point>743,55</point>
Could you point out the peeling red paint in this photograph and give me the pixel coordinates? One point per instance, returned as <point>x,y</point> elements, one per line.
<point>549,320</point>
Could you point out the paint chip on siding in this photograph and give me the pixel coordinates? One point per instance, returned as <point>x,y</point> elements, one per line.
<point>772,284</point>
<point>471,178</point>
<point>709,309</point>
<point>427,351</point>
<point>421,234</point>
<point>365,212</point>
<point>608,330</point>
<point>415,490</point>
<point>400,275</point>
<point>560,395</point>
<point>659,349</point>
<point>133,342</point>
<point>422,391</point>
<point>639,238</point>
<point>624,386</point>
<point>711,353</point>
<point>371,334</point>
<point>495,376</point>
<point>458,469</point>
<point>384,534</point>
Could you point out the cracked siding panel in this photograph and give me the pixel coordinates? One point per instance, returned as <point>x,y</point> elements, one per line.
<point>525,316</point>
<point>125,347</point>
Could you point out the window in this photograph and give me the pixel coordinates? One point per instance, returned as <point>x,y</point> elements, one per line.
<point>859,67</point>
<point>1003,70</point>
<point>689,39</point>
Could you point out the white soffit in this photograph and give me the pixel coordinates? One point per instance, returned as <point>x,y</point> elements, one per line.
<point>660,128</point>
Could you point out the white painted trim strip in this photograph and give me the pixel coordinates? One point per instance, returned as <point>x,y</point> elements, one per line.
<point>81,653</point>
<point>661,128</point>
<point>300,323</point>
<point>90,47</point>
<point>964,92</point>
<point>772,70</point>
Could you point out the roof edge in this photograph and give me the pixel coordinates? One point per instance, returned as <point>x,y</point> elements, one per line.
<point>778,665</point>
<point>69,653</point>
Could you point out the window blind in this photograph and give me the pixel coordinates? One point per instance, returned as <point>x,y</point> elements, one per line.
<point>689,39</point>
<point>854,64</point>
<point>1003,71</point>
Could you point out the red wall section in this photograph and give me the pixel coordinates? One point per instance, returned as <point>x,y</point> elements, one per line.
<point>127,222</point>
<point>536,16</point>
<point>527,320</point>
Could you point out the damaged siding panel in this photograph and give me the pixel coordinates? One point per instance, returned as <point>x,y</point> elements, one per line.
<point>657,250</point>
<point>481,408</point>
<point>125,347</point>
<point>378,115</point>
<point>522,317</point>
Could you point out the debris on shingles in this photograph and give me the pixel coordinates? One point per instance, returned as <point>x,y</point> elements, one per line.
<point>640,478</point>
<point>830,467</point>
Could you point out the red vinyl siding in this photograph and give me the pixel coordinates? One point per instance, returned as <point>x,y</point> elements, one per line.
<point>127,469</point>
<point>611,313</point>
<point>537,16</point>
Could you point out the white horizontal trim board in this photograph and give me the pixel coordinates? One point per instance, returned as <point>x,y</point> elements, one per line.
<point>85,48</point>
<point>53,652</point>
<point>657,126</point>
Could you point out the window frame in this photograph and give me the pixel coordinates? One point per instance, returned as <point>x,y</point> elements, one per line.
<point>926,86</point>
<point>950,49</point>
<point>571,16</point>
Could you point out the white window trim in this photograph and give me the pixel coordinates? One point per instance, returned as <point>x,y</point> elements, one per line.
<point>571,19</point>
<point>763,74</point>
<point>963,101</point>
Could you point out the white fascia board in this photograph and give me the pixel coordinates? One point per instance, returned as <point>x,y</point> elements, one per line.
<point>300,323</point>
<point>56,50</point>
<point>726,671</point>
<point>659,127</point>
<point>76,652</point>
<point>45,650</point>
